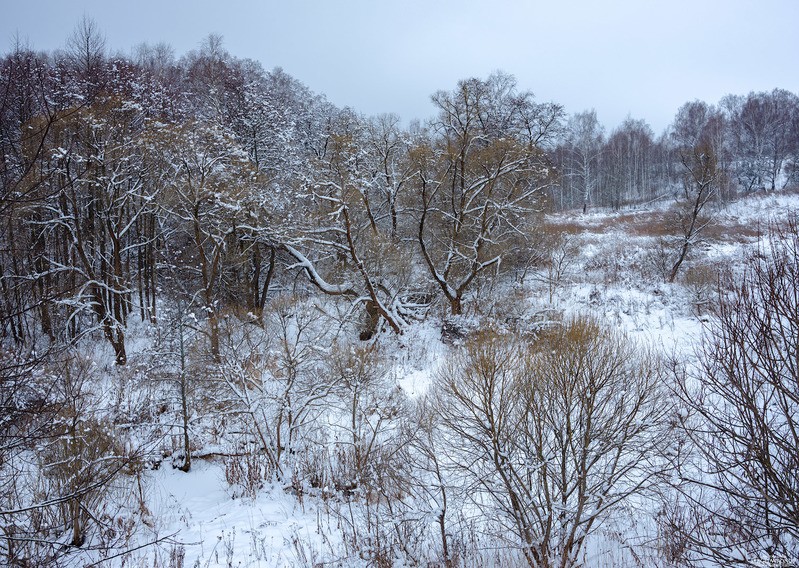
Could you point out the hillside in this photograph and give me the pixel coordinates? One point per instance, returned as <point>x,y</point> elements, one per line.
<point>233,509</point>
<point>240,325</point>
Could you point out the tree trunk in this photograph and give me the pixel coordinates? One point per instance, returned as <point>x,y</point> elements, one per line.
<point>372,321</point>
<point>186,466</point>
<point>213,326</point>
<point>680,259</point>
<point>78,537</point>
<point>456,305</point>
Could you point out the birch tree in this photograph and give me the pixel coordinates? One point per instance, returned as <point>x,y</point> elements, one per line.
<point>582,153</point>
<point>762,127</point>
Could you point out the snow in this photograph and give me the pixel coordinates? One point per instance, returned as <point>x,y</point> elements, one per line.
<point>213,529</point>
<point>611,278</point>
<point>421,357</point>
<point>761,208</point>
<point>416,382</point>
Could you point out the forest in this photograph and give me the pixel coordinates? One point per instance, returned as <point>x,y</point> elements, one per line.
<point>497,336</point>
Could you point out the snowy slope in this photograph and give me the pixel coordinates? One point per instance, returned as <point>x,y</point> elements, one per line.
<point>197,519</point>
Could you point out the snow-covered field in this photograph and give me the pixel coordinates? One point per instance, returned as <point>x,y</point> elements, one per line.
<point>610,270</point>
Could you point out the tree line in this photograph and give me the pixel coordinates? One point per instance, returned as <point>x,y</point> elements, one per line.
<point>120,173</point>
<point>753,139</point>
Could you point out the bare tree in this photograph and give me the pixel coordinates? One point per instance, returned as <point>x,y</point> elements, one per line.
<point>581,157</point>
<point>390,167</point>
<point>350,220</point>
<point>208,181</point>
<point>481,176</point>
<point>27,120</point>
<point>369,406</point>
<point>700,187</point>
<point>86,51</point>
<point>762,135</point>
<point>155,58</point>
<point>696,133</point>
<point>431,485</point>
<point>56,481</point>
<point>278,386</point>
<point>627,164</point>
<point>554,435</point>
<point>83,226</point>
<point>743,417</point>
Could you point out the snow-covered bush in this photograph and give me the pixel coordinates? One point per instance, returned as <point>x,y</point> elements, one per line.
<point>553,436</point>
<point>742,415</point>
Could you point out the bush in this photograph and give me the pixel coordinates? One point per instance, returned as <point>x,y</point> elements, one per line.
<point>743,414</point>
<point>555,434</point>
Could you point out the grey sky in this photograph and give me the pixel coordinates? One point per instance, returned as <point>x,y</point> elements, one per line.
<point>637,57</point>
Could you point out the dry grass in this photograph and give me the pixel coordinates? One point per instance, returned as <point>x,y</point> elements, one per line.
<point>653,224</point>
<point>566,226</point>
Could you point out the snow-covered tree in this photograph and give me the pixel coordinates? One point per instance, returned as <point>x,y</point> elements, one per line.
<point>349,221</point>
<point>763,136</point>
<point>741,497</point>
<point>482,173</point>
<point>580,158</point>
<point>555,435</point>
<point>208,185</point>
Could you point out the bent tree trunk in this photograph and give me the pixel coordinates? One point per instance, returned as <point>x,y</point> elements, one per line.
<point>376,310</point>
<point>113,329</point>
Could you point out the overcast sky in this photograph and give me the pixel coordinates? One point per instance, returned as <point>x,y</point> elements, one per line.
<point>622,57</point>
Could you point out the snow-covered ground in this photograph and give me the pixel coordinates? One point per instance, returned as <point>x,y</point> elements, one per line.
<point>206,526</point>
<point>196,519</point>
